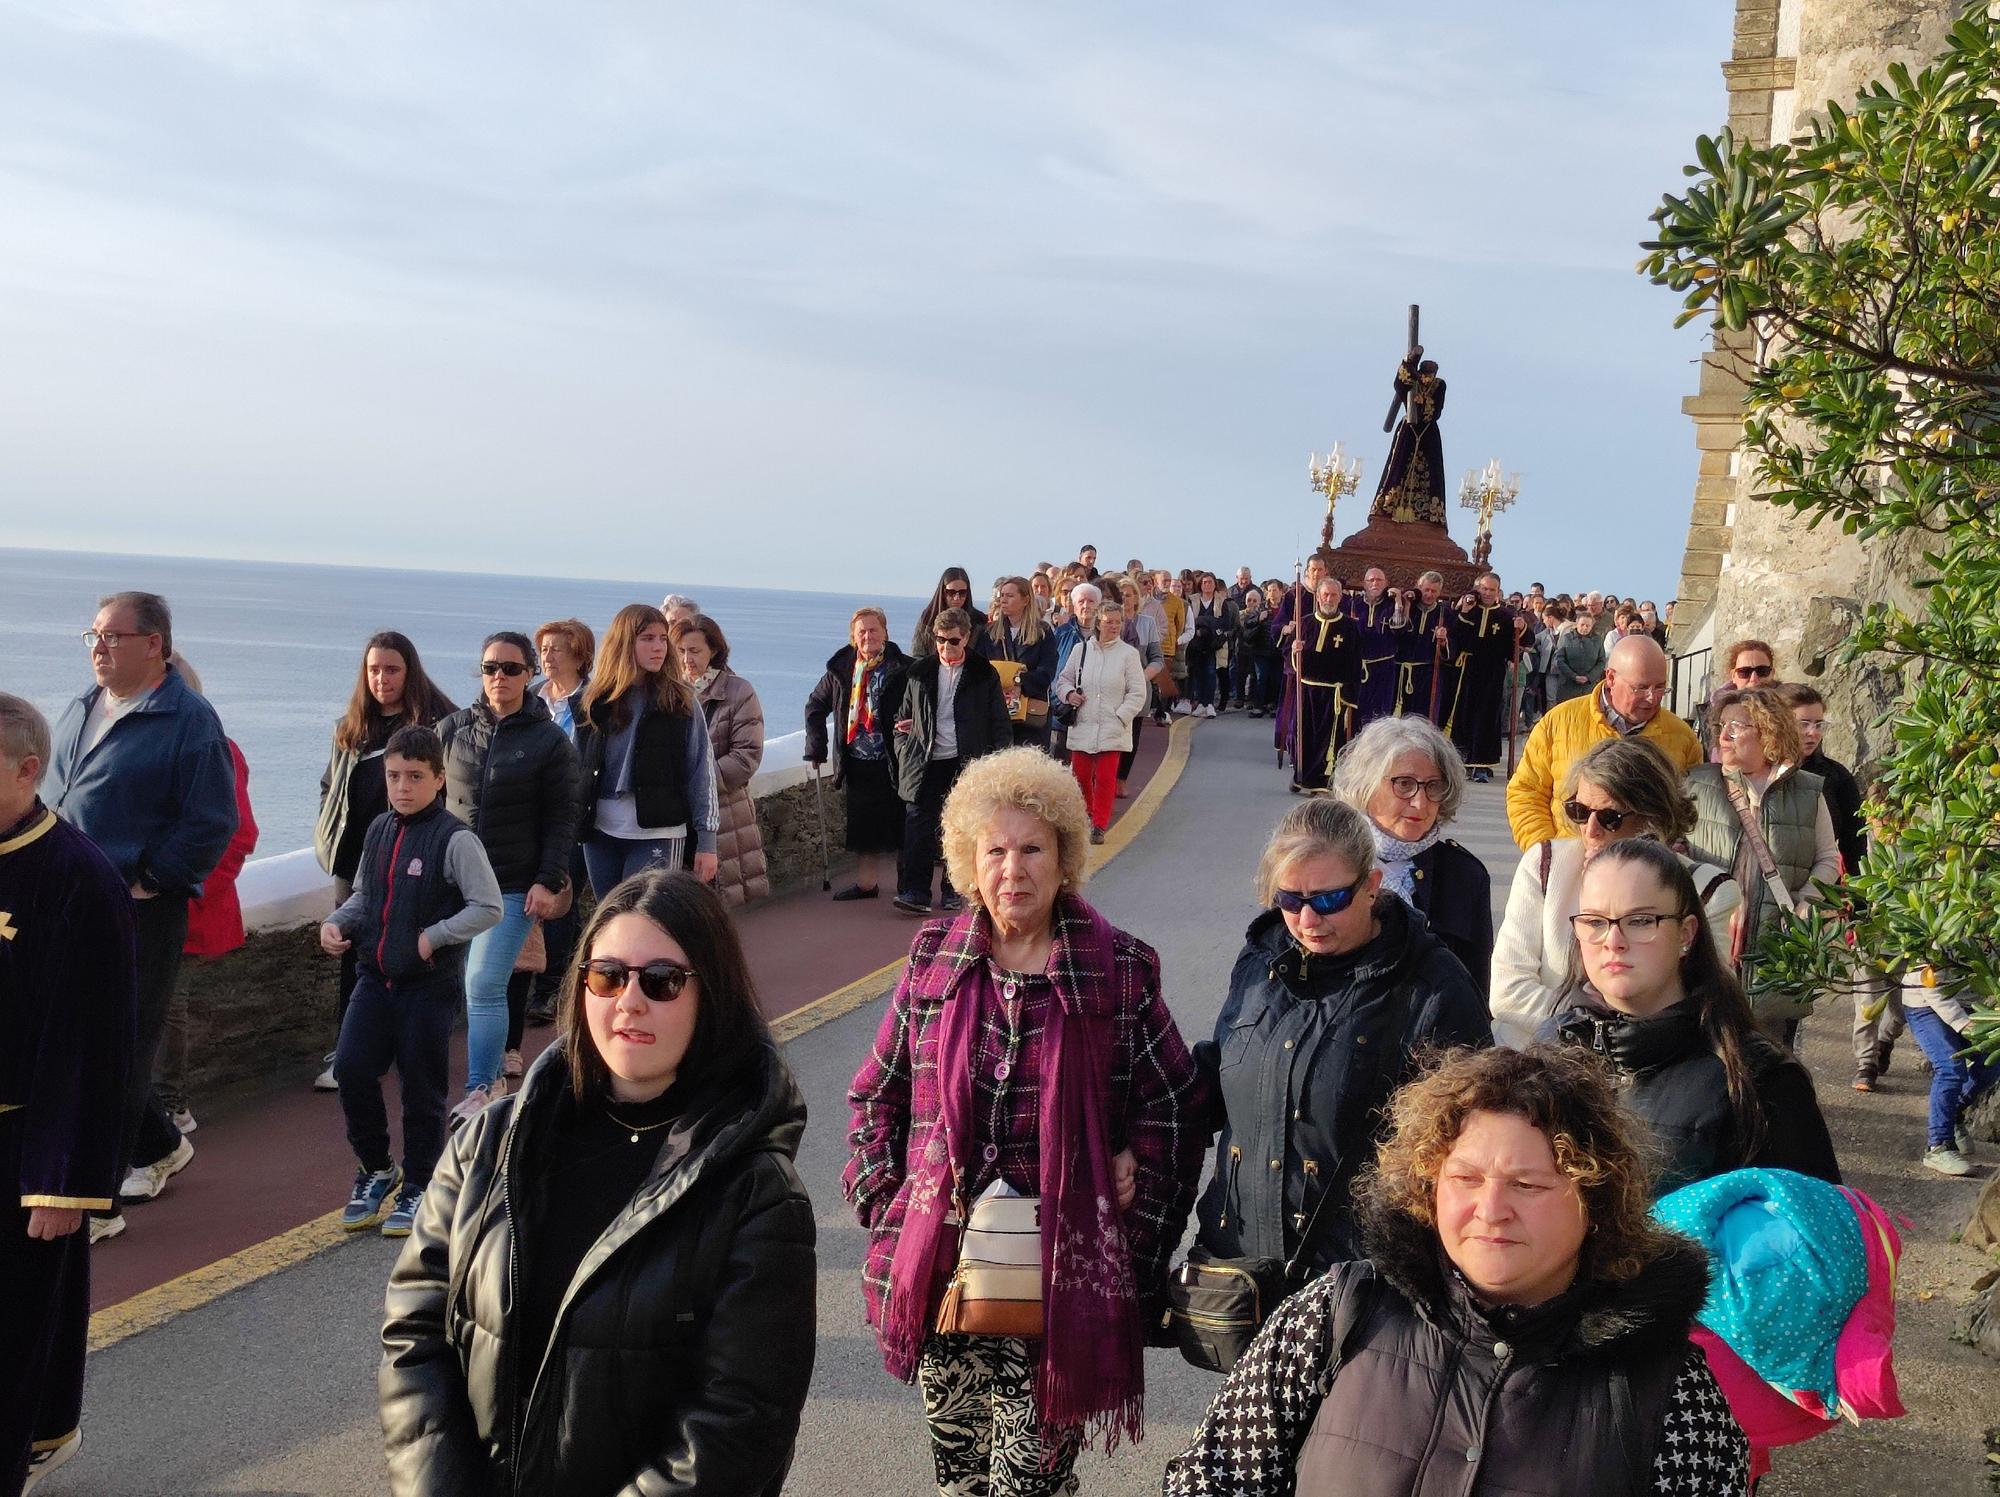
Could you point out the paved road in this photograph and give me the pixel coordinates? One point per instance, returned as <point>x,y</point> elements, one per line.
<point>271,1389</point>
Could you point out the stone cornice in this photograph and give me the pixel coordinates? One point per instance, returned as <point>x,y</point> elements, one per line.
<point>1755,74</point>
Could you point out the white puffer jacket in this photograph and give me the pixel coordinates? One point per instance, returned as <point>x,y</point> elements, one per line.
<point>1113,682</point>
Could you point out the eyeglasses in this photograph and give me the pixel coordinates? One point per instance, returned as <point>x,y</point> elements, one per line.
<point>1751,672</point>
<point>948,639</point>
<point>109,637</point>
<point>1406,786</point>
<point>1321,901</point>
<point>1580,815</point>
<point>661,982</point>
<point>1640,927</point>
<point>508,668</point>
<point>1728,731</point>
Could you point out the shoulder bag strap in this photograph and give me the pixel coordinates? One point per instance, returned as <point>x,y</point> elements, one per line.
<point>1753,832</point>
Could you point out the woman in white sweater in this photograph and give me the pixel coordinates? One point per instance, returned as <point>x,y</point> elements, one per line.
<point>1622,787</point>
<point>1104,681</point>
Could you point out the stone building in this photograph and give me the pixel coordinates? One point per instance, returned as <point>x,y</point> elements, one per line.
<point>1751,569</point>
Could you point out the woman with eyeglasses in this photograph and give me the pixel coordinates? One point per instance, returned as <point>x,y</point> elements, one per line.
<point>1338,986</point>
<point>954,590</point>
<point>1663,1009</point>
<point>610,1284</point>
<point>1408,780</point>
<point>1618,788</point>
<point>510,775</point>
<point>1761,815</point>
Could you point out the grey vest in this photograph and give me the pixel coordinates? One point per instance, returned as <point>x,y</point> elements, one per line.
<point>1790,819</point>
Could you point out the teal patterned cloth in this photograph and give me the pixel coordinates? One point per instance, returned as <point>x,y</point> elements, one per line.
<point>1787,1268</point>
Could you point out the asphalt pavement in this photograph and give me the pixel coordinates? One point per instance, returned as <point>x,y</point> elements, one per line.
<point>271,1389</point>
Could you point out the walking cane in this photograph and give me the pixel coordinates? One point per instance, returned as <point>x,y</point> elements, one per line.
<point>1513,711</point>
<point>1437,678</point>
<point>825,859</point>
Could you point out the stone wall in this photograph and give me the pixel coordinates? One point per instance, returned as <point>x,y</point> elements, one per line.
<point>1752,570</point>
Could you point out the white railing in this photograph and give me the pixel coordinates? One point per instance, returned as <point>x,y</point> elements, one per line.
<point>290,888</point>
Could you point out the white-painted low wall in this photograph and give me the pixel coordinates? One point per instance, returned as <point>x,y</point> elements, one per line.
<point>290,888</point>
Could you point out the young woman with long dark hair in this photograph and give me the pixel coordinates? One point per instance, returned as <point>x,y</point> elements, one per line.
<point>391,691</point>
<point>648,767</point>
<point>954,590</point>
<point>1670,1017</point>
<point>610,1284</point>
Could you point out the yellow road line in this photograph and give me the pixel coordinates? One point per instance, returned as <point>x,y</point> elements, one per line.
<point>201,1286</point>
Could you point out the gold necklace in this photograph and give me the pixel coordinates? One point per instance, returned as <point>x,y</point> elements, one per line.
<point>635,1129</point>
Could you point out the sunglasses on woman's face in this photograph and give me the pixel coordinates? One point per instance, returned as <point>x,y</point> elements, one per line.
<point>660,981</point>
<point>1580,814</point>
<point>1751,672</point>
<point>509,668</point>
<point>1320,901</point>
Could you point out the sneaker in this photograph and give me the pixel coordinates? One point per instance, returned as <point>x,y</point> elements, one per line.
<point>512,1066</point>
<point>42,1462</point>
<point>475,1101</point>
<point>148,1180</point>
<point>324,1081</point>
<point>1482,777</point>
<point>911,906</point>
<point>951,904</point>
<point>1864,1079</point>
<point>105,1227</point>
<point>1946,1161</point>
<point>404,1217</point>
<point>183,1120</point>
<point>370,1201</point>
<point>1097,834</point>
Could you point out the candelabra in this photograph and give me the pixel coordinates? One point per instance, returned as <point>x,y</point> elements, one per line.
<point>1487,494</point>
<point>1333,475</point>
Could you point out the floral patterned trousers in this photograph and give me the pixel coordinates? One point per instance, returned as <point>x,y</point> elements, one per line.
<point>979,1399</point>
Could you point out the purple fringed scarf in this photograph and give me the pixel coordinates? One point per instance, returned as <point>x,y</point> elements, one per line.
<point>1091,1371</point>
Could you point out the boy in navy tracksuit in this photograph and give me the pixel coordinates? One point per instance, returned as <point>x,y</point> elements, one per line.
<point>423,889</point>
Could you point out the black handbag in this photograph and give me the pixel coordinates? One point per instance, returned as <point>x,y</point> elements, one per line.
<point>1061,713</point>
<point>1216,1306</point>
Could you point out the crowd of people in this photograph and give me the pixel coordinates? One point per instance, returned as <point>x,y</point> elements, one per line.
<point>1422,1139</point>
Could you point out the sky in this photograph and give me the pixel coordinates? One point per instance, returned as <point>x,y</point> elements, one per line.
<point>830,296</point>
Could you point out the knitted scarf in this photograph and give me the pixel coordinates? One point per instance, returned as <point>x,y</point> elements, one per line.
<point>1398,859</point>
<point>860,706</point>
<point>1090,1374</point>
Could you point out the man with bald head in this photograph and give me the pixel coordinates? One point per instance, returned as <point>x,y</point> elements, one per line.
<point>1628,703</point>
<point>1380,617</point>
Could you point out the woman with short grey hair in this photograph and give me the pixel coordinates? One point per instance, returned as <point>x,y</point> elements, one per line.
<point>1338,985</point>
<point>1408,780</point>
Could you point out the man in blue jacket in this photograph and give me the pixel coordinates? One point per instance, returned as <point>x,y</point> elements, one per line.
<point>142,769</point>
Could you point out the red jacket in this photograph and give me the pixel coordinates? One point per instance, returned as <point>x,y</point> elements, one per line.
<point>215,920</point>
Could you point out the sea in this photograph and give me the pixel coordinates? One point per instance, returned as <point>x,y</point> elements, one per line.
<point>278,645</point>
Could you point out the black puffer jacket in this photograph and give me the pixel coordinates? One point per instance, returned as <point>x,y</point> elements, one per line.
<point>1672,1077</point>
<point>1453,890</point>
<point>513,780</point>
<point>684,1347</point>
<point>1305,1055</point>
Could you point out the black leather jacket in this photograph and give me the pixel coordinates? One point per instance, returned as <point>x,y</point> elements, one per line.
<point>684,1345</point>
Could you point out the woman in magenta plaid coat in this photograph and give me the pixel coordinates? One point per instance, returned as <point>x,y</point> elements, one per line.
<point>1027,1017</point>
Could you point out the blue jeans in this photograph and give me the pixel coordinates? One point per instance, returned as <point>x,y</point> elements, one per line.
<point>1956,1080</point>
<point>612,860</point>
<point>489,962</point>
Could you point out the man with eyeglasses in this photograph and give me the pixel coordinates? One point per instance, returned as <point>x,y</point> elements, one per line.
<point>142,768</point>
<point>1628,703</point>
<point>954,709</point>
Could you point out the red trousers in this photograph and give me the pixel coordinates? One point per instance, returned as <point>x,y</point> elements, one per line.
<point>1098,775</point>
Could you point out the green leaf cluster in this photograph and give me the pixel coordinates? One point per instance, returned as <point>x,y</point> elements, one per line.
<point>1855,272</point>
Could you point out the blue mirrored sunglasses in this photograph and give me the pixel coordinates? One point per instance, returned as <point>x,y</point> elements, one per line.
<point>1323,901</point>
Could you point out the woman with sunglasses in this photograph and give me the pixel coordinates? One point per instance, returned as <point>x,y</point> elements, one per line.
<point>1619,788</point>
<point>610,1285</point>
<point>1758,794</point>
<point>1663,1009</point>
<point>954,590</point>
<point>1408,780</point>
<point>1746,664</point>
<point>1336,989</point>
<point>510,775</point>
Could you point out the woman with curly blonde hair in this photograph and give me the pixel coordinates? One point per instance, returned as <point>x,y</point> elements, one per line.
<point>1027,1051</point>
<point>1518,1323</point>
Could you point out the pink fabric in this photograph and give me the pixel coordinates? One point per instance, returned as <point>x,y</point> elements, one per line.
<point>1864,1357</point>
<point>1767,1416</point>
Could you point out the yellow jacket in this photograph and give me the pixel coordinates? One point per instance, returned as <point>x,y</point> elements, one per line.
<point>1176,608</point>
<point>1534,794</point>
